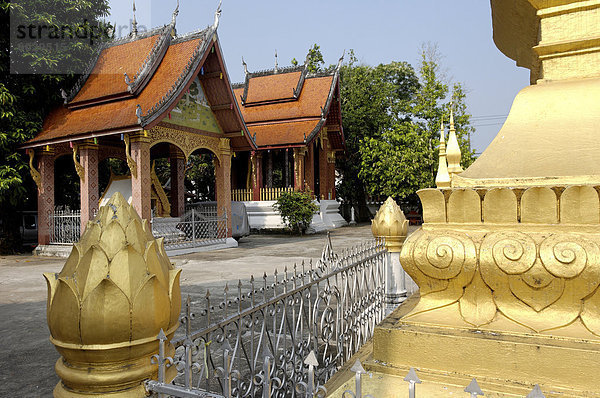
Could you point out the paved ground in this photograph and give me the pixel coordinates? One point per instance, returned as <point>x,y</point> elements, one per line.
<point>27,357</point>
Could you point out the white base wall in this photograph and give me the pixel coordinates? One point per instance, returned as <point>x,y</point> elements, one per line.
<point>330,212</point>
<point>261,215</point>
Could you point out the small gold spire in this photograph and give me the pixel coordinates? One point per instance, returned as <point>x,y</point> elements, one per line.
<point>442,179</point>
<point>453,151</point>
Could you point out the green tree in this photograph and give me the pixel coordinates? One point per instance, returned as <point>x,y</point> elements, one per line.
<point>395,148</point>
<point>314,59</point>
<point>28,89</point>
<point>374,99</point>
<point>200,177</point>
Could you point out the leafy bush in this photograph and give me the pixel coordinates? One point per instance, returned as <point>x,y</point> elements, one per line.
<point>296,209</point>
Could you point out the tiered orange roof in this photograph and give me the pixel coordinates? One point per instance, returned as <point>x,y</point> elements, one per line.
<point>288,107</point>
<point>135,82</point>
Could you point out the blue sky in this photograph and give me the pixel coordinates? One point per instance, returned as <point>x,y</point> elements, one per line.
<point>379,32</point>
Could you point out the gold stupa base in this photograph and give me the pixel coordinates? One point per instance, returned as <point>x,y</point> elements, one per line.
<point>60,391</point>
<point>505,364</point>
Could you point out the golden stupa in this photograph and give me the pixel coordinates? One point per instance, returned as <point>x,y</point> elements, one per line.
<point>106,307</point>
<point>508,258</point>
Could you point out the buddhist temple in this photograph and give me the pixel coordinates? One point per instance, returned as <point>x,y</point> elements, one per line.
<point>294,116</point>
<point>144,97</point>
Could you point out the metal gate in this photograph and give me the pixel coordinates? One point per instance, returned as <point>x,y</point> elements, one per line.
<point>280,336</point>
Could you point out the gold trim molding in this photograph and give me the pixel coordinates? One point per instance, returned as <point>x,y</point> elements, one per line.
<point>187,142</point>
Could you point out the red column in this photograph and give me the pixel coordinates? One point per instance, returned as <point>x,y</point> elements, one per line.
<point>45,195</point>
<point>299,161</point>
<point>140,181</point>
<point>323,169</point>
<point>88,157</point>
<point>256,175</point>
<point>177,183</point>
<point>309,167</point>
<point>331,173</point>
<point>223,182</point>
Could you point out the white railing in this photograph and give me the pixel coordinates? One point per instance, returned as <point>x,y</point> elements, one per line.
<point>195,229</point>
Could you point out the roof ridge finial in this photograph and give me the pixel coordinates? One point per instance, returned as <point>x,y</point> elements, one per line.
<point>442,179</point>
<point>134,30</point>
<point>451,115</point>
<point>245,66</point>
<point>339,65</point>
<point>217,16</point>
<point>175,14</point>
<point>276,65</point>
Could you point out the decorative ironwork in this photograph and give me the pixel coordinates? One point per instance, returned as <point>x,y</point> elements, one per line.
<point>37,177</point>
<point>265,332</point>
<point>78,167</point>
<point>65,226</point>
<point>194,229</point>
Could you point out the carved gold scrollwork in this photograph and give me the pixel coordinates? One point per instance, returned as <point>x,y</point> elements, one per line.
<point>78,167</point>
<point>186,141</point>
<point>130,162</point>
<point>442,264</point>
<point>37,177</point>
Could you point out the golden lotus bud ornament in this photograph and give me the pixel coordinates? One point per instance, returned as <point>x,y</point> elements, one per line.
<point>391,224</point>
<point>115,293</point>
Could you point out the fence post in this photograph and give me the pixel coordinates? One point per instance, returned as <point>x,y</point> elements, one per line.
<point>390,224</point>
<point>193,225</point>
<point>412,380</point>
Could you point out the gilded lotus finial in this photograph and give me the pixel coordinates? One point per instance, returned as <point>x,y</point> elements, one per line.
<point>391,224</point>
<point>117,289</point>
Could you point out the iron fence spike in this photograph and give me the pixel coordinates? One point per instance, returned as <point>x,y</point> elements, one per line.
<point>161,335</point>
<point>536,392</point>
<point>226,289</point>
<point>226,346</point>
<point>474,389</point>
<point>207,293</point>
<point>239,283</point>
<point>357,367</point>
<point>412,377</point>
<point>311,359</point>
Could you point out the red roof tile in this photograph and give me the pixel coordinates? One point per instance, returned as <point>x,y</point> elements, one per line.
<point>281,134</point>
<point>63,122</point>
<point>272,87</point>
<point>107,77</point>
<point>312,98</point>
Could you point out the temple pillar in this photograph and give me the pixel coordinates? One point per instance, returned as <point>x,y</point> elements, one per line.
<point>331,173</point>
<point>45,195</point>
<point>299,157</point>
<point>323,167</point>
<point>223,182</point>
<point>256,161</point>
<point>269,169</point>
<point>141,182</point>
<point>177,161</point>
<point>286,168</point>
<point>309,167</point>
<point>89,195</point>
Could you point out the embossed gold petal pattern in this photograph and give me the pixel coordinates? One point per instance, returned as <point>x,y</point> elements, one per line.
<point>112,239</point>
<point>99,326</point>
<point>156,266</point>
<point>128,271</point>
<point>538,299</point>
<point>477,305</point>
<point>537,277</point>
<point>174,295</point>
<point>92,268</point>
<point>63,316</point>
<point>149,321</point>
<point>136,236</point>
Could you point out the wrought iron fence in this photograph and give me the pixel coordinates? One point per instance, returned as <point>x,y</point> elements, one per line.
<point>65,226</point>
<point>267,337</point>
<point>194,229</point>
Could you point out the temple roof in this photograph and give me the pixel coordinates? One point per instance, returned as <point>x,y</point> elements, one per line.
<point>289,106</point>
<point>135,82</point>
